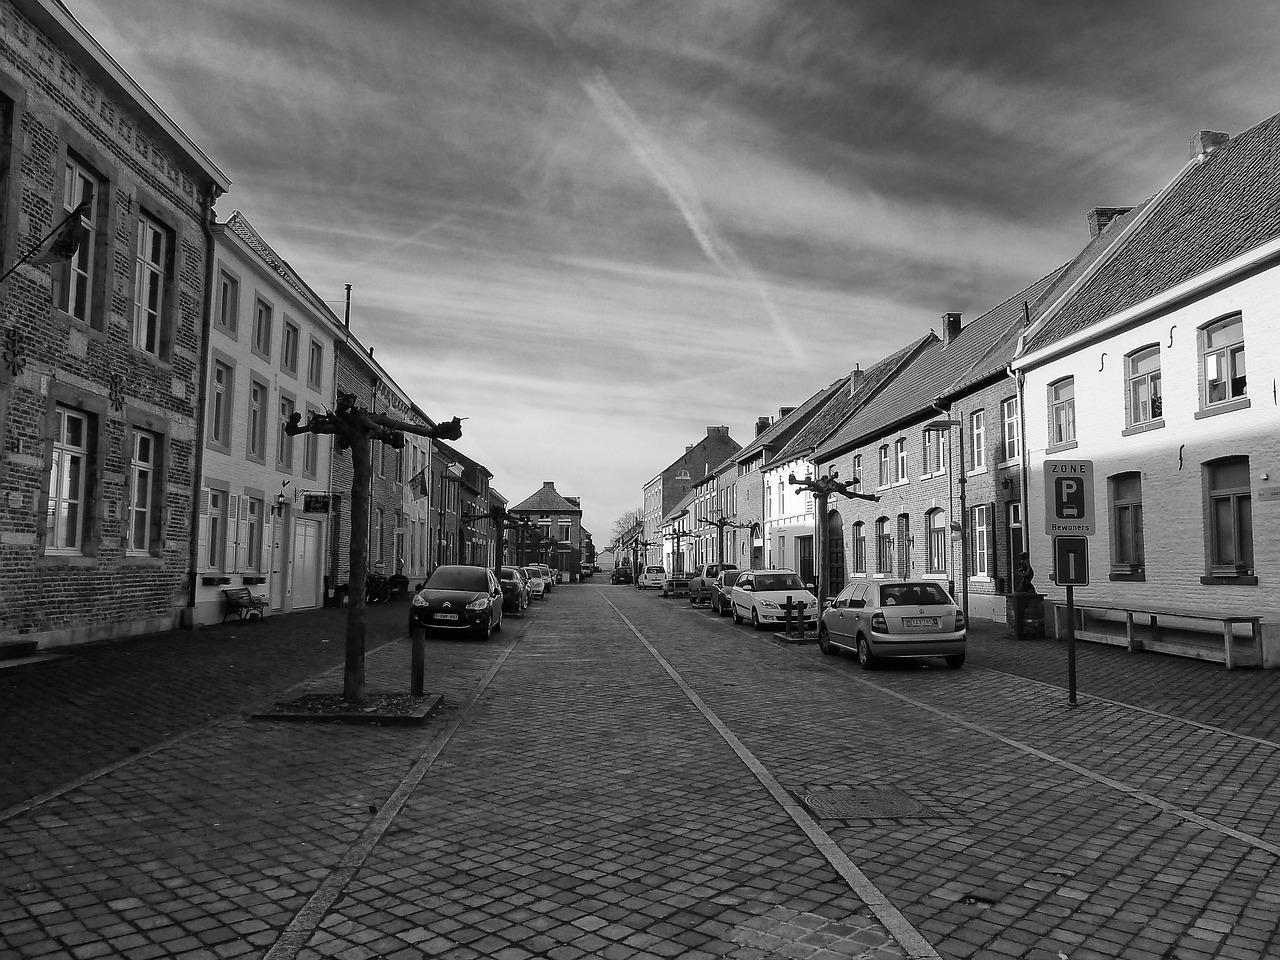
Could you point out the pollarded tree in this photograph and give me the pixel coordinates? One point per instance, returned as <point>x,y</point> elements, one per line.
<point>353,428</point>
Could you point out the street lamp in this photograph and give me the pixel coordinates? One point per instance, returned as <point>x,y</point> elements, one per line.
<point>944,426</point>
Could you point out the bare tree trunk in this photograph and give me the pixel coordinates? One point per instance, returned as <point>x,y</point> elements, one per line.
<point>353,675</point>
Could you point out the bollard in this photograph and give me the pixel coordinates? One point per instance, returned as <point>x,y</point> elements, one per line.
<point>787,619</point>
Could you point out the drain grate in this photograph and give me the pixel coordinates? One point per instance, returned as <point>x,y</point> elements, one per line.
<point>860,803</point>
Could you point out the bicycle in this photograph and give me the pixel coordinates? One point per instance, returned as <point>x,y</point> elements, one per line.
<point>377,588</point>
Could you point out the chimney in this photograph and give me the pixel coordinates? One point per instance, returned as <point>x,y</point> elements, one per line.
<point>856,376</point>
<point>950,327</point>
<point>1101,217</point>
<point>762,424</point>
<point>688,447</point>
<point>1205,142</point>
<point>784,412</point>
<point>549,485</point>
<point>720,431</point>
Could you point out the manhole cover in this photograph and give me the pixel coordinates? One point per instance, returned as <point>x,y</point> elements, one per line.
<point>860,803</point>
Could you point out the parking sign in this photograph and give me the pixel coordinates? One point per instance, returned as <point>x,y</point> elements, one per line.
<point>1068,498</point>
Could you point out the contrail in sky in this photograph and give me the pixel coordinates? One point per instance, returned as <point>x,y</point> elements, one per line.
<point>672,179</point>
<point>682,192</point>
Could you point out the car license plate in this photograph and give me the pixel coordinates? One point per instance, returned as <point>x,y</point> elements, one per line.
<point>919,621</point>
<point>446,616</point>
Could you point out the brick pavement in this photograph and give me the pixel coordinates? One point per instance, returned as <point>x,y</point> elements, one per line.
<point>572,801</point>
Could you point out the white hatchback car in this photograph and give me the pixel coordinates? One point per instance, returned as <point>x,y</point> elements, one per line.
<point>893,619</point>
<point>760,596</point>
<point>537,586</point>
<point>654,576</point>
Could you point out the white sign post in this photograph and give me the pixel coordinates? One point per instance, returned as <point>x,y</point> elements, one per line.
<point>1068,518</point>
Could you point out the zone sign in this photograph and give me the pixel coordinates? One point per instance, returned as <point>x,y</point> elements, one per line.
<point>1068,498</point>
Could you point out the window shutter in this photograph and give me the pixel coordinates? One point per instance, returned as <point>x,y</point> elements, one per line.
<point>230,535</point>
<point>242,536</point>
<point>203,532</point>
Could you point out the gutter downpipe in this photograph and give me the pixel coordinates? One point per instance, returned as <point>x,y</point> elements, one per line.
<point>206,323</point>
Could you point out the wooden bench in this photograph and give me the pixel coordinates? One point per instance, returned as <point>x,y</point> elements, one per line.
<point>241,600</point>
<point>1136,644</point>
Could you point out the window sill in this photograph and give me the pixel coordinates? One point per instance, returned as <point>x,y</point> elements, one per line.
<point>1226,581</point>
<point>1226,406</point>
<point>141,560</point>
<point>976,472</point>
<point>1057,447</point>
<point>1119,576</point>
<point>1157,424</point>
<point>932,476</point>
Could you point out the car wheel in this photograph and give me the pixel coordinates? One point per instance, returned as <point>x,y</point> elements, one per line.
<point>497,627</point>
<point>955,661</point>
<point>865,660</point>
<point>824,642</point>
<point>737,617</point>
<point>664,591</point>
<point>755,620</point>
<point>693,601</point>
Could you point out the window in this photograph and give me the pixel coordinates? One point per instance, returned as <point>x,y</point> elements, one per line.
<point>768,500</point>
<point>253,515</point>
<point>884,466</point>
<point>900,452</point>
<point>289,348</point>
<point>1062,411</point>
<point>1126,523</point>
<point>151,271</point>
<point>310,448</point>
<point>1230,517</point>
<point>1223,361</point>
<point>859,547</point>
<point>980,548</point>
<point>937,541</point>
<point>284,442</point>
<point>1012,435</point>
<point>75,293</point>
<point>884,546</point>
<point>68,479</point>
<point>978,439</point>
<point>1143,374</point>
<point>220,404</point>
<point>262,329</point>
<point>257,440</point>
<point>375,536</point>
<point>931,445</point>
<point>566,530</point>
<point>228,303</point>
<point>216,542</point>
<point>399,472</point>
<point>857,469</point>
<point>144,530</point>
<point>315,365</point>
<point>782,498</point>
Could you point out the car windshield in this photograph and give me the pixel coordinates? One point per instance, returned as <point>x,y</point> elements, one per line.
<point>778,581</point>
<point>912,594</point>
<point>459,578</point>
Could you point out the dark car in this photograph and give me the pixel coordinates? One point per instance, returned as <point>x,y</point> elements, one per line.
<point>720,589</point>
<point>620,575</point>
<point>515,590</point>
<point>458,599</point>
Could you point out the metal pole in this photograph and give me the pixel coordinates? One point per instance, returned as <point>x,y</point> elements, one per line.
<point>964,531</point>
<point>1071,647</point>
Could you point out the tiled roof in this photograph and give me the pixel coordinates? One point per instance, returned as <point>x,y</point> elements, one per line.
<point>546,500</point>
<point>936,370</point>
<point>779,430</point>
<point>1215,210</point>
<point>241,227</point>
<point>842,402</point>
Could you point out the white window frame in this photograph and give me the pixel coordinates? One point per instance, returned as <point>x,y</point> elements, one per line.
<point>1012,429</point>
<point>259,401</point>
<point>151,259</point>
<point>900,454</point>
<point>981,545</point>
<point>75,295</point>
<point>978,439</point>
<point>68,482</point>
<point>1223,362</point>
<point>1062,411</point>
<point>144,465</point>
<point>220,394</point>
<point>215,557</point>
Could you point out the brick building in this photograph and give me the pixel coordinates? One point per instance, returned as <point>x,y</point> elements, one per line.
<point>1139,365</point>
<point>100,385</point>
<point>671,485</point>
<point>556,535</point>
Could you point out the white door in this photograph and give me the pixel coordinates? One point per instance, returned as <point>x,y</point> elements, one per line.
<point>305,569</point>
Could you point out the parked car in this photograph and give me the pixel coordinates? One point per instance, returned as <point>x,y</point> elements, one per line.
<point>537,586</point>
<point>587,570</point>
<point>701,582</point>
<point>653,576</point>
<point>621,575</point>
<point>515,590</point>
<point>759,595</point>
<point>458,598</point>
<point>675,584</point>
<point>549,576</point>
<point>721,587</point>
<point>894,619</point>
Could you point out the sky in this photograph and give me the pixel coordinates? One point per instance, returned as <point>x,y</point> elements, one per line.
<point>595,227</point>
